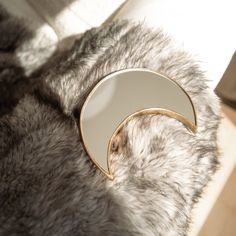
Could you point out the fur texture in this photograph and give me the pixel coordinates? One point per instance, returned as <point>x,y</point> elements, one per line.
<point>48,186</point>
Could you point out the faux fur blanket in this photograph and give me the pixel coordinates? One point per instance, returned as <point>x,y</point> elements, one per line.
<point>48,185</point>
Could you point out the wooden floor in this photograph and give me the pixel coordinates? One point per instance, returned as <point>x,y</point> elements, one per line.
<point>222,218</point>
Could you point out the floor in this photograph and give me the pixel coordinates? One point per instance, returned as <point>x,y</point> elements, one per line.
<point>215,214</point>
<point>222,219</point>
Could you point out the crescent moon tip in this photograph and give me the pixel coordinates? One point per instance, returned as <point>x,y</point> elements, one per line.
<point>109,175</point>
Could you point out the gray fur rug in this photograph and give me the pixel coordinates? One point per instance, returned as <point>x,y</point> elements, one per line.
<point>48,185</point>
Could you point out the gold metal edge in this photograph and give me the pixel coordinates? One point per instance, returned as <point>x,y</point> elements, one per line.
<point>147,111</point>
<point>162,111</point>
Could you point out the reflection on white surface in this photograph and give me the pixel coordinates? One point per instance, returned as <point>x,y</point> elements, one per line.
<point>99,102</point>
<point>205,28</point>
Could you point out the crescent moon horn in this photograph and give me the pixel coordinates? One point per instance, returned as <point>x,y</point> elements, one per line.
<point>120,96</point>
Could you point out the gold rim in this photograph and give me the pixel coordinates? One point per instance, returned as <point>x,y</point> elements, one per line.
<point>148,111</point>
<point>154,111</point>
